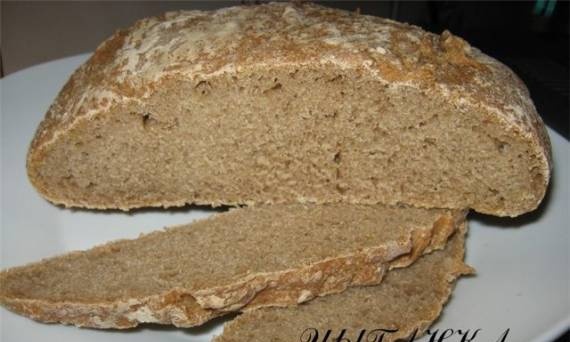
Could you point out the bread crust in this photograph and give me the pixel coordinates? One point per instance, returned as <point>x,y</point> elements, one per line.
<point>184,307</point>
<point>195,45</point>
<point>454,268</point>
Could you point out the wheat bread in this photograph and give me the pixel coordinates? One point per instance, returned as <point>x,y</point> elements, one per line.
<point>243,259</point>
<point>409,300</point>
<point>282,103</point>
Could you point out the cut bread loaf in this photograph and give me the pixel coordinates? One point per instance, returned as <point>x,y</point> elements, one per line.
<point>282,103</point>
<point>247,258</point>
<point>408,300</point>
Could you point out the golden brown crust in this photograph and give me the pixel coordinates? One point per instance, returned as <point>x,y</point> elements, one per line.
<point>389,305</point>
<point>185,308</point>
<point>196,45</point>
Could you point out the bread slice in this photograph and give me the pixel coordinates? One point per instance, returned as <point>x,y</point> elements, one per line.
<point>408,300</point>
<point>246,258</point>
<point>282,103</point>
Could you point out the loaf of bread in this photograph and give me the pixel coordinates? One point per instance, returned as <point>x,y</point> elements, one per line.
<point>276,255</point>
<point>282,103</point>
<point>408,301</point>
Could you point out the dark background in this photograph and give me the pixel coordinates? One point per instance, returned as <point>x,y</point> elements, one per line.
<point>531,37</point>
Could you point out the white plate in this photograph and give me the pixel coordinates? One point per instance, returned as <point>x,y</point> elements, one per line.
<point>522,282</point>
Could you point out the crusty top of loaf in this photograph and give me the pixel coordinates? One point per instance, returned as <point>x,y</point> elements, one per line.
<point>197,45</point>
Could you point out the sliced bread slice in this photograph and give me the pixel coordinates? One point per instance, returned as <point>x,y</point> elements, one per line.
<point>404,304</point>
<point>282,103</point>
<point>246,258</point>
